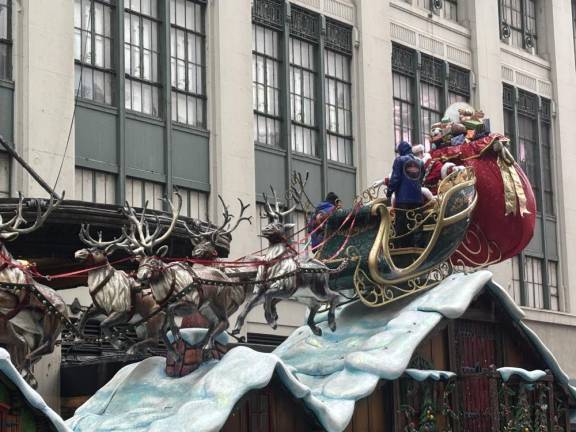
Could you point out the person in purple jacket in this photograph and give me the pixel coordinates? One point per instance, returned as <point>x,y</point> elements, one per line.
<point>406,185</point>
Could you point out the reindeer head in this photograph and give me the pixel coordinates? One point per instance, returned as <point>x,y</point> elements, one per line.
<point>98,250</point>
<point>278,229</point>
<point>12,229</point>
<point>205,241</point>
<point>143,242</point>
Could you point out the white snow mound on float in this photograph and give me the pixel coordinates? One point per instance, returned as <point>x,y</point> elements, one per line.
<point>8,370</point>
<point>329,373</point>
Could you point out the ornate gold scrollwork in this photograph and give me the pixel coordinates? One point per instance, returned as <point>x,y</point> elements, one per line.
<point>457,182</point>
<point>373,294</point>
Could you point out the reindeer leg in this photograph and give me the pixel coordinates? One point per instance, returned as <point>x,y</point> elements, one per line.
<point>111,321</point>
<point>313,309</point>
<point>273,310</point>
<point>254,300</point>
<point>213,332</point>
<point>51,328</point>
<point>270,310</point>
<point>153,327</point>
<point>334,299</point>
<point>166,339</point>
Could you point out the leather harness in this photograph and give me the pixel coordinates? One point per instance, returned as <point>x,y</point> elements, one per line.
<point>100,286</point>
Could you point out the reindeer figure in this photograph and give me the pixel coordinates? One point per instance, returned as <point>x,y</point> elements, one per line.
<point>214,303</point>
<point>29,329</point>
<point>305,282</point>
<point>205,241</point>
<point>114,293</point>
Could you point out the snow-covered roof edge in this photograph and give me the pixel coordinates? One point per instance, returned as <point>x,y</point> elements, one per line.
<point>31,396</point>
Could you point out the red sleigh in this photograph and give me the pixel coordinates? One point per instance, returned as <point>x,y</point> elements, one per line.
<point>504,218</point>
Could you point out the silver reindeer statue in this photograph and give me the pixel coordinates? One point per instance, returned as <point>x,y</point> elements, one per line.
<point>284,276</point>
<point>28,327</point>
<point>114,293</point>
<point>173,285</point>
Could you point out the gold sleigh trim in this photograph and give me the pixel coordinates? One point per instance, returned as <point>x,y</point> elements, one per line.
<point>448,187</point>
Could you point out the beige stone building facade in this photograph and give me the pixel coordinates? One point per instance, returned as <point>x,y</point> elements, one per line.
<point>135,97</point>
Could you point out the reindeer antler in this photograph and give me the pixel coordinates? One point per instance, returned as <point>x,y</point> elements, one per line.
<point>224,227</point>
<point>116,243</point>
<point>139,236</point>
<point>13,225</point>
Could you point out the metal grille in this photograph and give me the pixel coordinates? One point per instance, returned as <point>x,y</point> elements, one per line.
<point>459,80</point>
<point>73,352</point>
<point>338,37</point>
<point>527,104</point>
<point>304,24</point>
<point>432,70</point>
<point>518,22</point>
<point>268,13</point>
<point>508,97</point>
<point>545,113</point>
<point>403,60</point>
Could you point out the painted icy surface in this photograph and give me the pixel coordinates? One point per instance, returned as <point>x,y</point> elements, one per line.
<point>423,375</point>
<point>507,372</point>
<point>329,373</point>
<point>33,398</point>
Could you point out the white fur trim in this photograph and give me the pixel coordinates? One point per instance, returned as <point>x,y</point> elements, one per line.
<point>447,168</point>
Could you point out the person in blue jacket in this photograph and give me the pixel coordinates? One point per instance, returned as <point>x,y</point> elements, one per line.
<point>322,211</point>
<point>406,185</point>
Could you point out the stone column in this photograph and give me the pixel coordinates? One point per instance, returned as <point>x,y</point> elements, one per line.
<point>44,93</point>
<point>373,88</point>
<point>230,113</point>
<point>561,51</point>
<point>487,94</point>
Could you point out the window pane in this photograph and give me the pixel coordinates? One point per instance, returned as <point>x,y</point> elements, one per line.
<point>93,49</point>
<point>187,58</point>
<point>265,86</point>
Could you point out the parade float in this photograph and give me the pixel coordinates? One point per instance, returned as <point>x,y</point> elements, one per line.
<point>403,338</point>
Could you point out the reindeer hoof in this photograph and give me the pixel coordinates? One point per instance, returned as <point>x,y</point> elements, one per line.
<point>332,326</point>
<point>317,331</point>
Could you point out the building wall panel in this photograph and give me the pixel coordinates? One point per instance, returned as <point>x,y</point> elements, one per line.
<point>191,160</point>
<point>96,138</point>
<point>145,148</point>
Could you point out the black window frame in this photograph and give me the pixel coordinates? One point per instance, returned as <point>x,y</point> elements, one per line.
<point>420,68</point>
<point>198,98</point>
<point>6,43</point>
<point>507,29</point>
<point>272,121</point>
<point>82,65</point>
<point>304,32</point>
<point>292,22</point>
<point>155,86</point>
<point>541,257</point>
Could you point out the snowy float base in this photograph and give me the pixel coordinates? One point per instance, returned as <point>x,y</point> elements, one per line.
<point>329,373</point>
